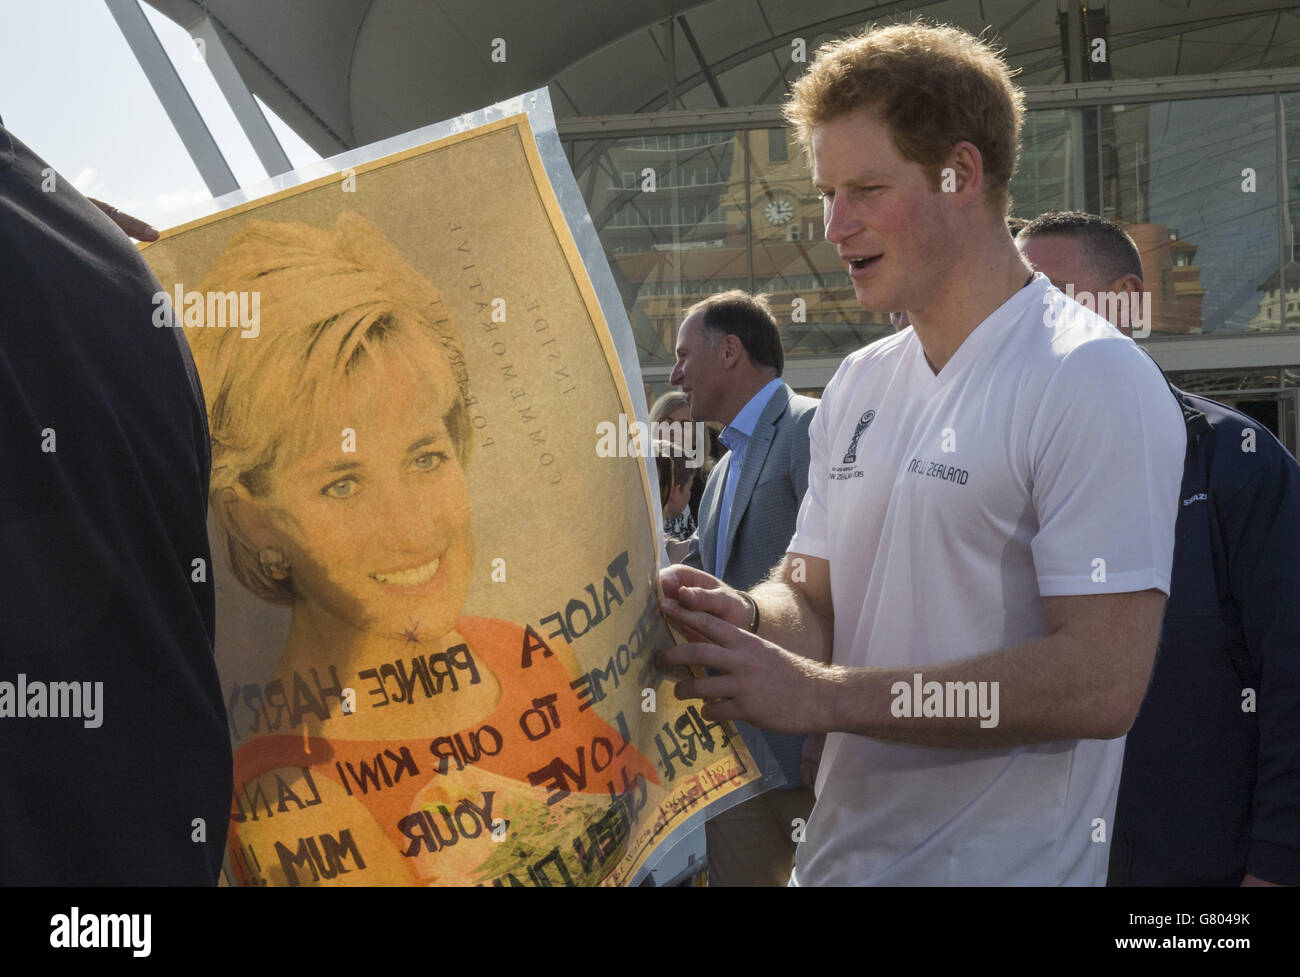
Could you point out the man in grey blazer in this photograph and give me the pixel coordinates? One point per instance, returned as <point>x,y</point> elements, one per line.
<point>729,363</point>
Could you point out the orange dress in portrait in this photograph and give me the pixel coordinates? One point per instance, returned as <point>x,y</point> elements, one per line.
<point>400,829</point>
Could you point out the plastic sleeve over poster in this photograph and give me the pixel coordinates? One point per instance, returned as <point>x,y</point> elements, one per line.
<point>437,601</point>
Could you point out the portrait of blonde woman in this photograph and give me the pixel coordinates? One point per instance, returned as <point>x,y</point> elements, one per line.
<point>341,442</point>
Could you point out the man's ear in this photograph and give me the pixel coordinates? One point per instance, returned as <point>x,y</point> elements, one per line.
<point>963,173</point>
<point>1132,288</point>
<point>733,350</point>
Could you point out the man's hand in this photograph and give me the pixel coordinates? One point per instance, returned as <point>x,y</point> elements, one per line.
<point>677,549</point>
<point>131,226</point>
<point>757,681</point>
<point>694,590</point>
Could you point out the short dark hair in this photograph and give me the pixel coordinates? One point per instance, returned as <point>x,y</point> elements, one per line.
<point>1015,225</point>
<point>1110,251</point>
<point>749,319</point>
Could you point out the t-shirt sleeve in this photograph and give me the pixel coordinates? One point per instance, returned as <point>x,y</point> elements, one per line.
<point>810,537</point>
<point>1105,451</point>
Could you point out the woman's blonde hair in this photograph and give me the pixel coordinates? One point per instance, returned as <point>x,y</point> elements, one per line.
<point>328,300</point>
<point>667,405</point>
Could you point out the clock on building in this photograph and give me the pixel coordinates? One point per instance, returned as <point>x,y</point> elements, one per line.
<point>779,211</point>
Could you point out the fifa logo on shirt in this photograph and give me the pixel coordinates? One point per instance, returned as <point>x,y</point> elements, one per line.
<point>851,456</point>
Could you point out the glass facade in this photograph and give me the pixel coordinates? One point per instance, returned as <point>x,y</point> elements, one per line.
<point>685,215</point>
<point>1270,396</point>
<point>1195,181</point>
<point>1204,174</point>
<point>1054,173</point>
<point>664,206</point>
<point>1280,293</point>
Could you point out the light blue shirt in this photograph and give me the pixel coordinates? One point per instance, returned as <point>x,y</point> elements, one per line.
<point>736,437</point>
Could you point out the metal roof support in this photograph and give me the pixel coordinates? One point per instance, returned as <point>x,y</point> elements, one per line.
<point>703,62</point>
<point>1036,97</point>
<point>171,92</point>
<point>670,61</point>
<point>1284,240</point>
<point>247,111</point>
<point>1074,42</point>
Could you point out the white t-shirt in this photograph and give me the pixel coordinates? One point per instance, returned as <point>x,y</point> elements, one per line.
<point>948,506</point>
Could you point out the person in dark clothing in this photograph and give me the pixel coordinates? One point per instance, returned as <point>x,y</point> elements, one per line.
<point>114,750</point>
<point>1210,791</point>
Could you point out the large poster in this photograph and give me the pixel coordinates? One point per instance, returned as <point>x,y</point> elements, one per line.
<point>437,602</point>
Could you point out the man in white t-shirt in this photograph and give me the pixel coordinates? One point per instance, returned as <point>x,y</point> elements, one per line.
<point>971,603</point>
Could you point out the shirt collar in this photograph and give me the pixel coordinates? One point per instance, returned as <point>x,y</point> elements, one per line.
<point>747,419</point>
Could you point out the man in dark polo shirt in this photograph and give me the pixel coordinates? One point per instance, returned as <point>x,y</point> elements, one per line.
<point>113,745</point>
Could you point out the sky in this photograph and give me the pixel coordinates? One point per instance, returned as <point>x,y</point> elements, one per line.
<point>71,89</point>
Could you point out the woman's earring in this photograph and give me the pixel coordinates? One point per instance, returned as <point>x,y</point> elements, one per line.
<point>274,565</point>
